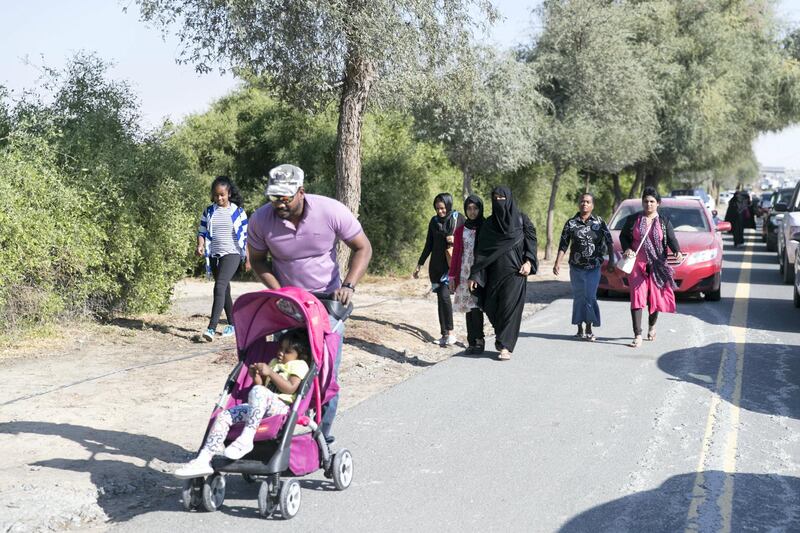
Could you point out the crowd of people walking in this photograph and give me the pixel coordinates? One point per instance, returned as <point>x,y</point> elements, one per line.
<point>477,265</point>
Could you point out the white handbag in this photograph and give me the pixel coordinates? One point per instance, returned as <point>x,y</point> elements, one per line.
<point>626,263</point>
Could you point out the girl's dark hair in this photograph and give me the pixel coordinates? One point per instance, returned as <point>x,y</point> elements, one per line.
<point>446,198</point>
<point>233,192</point>
<point>651,191</point>
<point>298,341</point>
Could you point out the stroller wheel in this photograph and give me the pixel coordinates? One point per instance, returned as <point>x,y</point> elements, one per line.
<point>290,498</point>
<point>267,503</point>
<point>213,492</point>
<point>342,469</point>
<point>192,493</point>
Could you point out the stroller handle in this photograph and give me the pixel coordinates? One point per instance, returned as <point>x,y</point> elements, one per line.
<point>334,307</point>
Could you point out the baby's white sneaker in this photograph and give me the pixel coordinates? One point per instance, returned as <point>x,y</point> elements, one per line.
<point>239,448</point>
<point>199,467</point>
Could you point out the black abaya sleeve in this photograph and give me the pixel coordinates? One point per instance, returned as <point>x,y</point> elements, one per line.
<point>530,243</point>
<point>672,241</point>
<point>626,234</point>
<point>426,251</point>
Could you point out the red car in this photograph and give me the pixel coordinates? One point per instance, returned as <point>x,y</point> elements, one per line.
<point>699,238</point>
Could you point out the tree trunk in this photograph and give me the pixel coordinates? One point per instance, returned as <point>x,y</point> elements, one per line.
<point>617,191</point>
<point>466,187</point>
<point>652,179</point>
<point>637,183</point>
<point>586,177</point>
<point>359,77</point>
<point>551,209</point>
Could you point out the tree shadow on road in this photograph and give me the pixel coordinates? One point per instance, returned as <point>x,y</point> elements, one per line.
<point>124,467</point>
<point>770,374</point>
<point>761,502</point>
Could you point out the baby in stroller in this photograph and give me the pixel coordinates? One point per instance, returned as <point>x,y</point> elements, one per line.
<point>269,412</point>
<point>273,391</point>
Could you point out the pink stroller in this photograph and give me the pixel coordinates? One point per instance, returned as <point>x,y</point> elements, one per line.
<point>285,445</point>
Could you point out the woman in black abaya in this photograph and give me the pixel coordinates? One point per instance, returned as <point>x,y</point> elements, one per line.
<point>505,254</point>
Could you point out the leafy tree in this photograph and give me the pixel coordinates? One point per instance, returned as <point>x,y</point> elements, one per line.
<point>135,190</point>
<point>603,114</point>
<point>722,78</point>
<point>249,131</point>
<point>486,111</point>
<point>312,50</point>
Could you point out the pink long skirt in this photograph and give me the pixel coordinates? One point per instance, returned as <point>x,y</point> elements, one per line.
<point>644,291</point>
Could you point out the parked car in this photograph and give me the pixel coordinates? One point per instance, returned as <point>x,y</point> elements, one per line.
<point>796,238</point>
<point>695,193</point>
<point>725,196</point>
<point>788,226</point>
<point>699,239</point>
<point>769,229</point>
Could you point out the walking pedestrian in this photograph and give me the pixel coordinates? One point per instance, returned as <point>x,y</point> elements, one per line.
<point>464,301</point>
<point>651,280</point>
<point>293,241</point>
<point>740,215</point>
<point>439,246</point>
<point>588,239</point>
<point>505,254</point>
<point>222,240</point>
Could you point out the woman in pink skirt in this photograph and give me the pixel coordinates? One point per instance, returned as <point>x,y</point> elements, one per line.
<point>651,281</point>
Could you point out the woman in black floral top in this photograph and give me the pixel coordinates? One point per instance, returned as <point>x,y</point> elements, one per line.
<point>590,240</point>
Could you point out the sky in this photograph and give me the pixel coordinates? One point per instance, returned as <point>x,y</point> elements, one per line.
<point>38,32</point>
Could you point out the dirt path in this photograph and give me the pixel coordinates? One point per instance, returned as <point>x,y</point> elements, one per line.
<point>90,424</point>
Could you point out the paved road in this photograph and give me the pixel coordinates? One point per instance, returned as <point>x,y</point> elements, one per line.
<point>698,431</point>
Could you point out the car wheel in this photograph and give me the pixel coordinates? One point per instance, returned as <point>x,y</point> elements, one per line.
<point>796,297</point>
<point>602,293</point>
<point>788,270</point>
<point>781,266</point>
<point>771,245</point>
<point>714,296</point>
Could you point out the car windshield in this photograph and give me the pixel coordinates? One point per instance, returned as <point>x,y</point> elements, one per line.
<point>783,197</point>
<point>689,219</point>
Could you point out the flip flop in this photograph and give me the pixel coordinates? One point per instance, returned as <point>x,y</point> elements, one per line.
<point>651,335</point>
<point>504,355</point>
<point>590,337</point>
<point>637,342</point>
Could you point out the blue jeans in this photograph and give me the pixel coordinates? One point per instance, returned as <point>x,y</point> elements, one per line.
<point>584,295</point>
<point>329,410</point>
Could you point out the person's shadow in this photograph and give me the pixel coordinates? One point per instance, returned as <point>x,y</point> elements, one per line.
<point>760,502</point>
<point>124,467</point>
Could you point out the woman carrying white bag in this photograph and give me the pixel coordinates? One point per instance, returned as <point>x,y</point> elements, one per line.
<point>650,277</point>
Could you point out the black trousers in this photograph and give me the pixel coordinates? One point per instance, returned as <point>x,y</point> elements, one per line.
<point>474,326</point>
<point>223,268</point>
<point>445,305</point>
<point>636,318</point>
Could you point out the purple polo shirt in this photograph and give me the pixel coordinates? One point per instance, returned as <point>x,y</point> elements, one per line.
<point>304,256</point>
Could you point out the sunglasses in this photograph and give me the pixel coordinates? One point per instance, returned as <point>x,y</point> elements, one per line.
<point>286,200</point>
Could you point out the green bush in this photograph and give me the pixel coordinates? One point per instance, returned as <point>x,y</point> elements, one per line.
<point>48,252</point>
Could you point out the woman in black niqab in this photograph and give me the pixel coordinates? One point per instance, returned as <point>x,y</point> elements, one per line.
<point>505,254</point>
<point>740,215</point>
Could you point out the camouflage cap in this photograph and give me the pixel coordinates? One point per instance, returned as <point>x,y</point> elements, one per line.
<point>284,180</point>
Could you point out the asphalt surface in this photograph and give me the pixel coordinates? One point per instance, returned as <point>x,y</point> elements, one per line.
<point>697,431</point>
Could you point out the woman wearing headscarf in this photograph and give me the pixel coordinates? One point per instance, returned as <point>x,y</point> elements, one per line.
<point>740,215</point>
<point>505,254</point>
<point>465,301</point>
<point>588,240</point>
<point>439,246</point>
<point>651,280</point>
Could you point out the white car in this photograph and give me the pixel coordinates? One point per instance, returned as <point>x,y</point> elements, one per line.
<point>725,197</point>
<point>796,238</point>
<point>787,247</point>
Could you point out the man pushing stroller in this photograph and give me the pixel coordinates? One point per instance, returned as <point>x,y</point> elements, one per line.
<point>299,233</point>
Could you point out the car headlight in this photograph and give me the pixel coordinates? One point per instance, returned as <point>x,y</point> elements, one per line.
<point>702,257</point>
